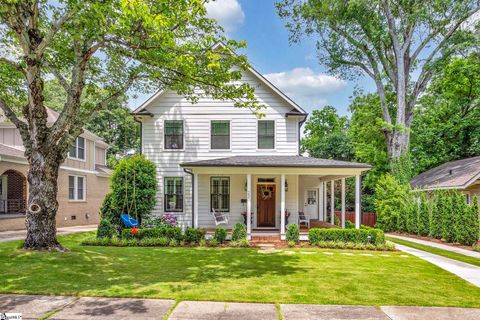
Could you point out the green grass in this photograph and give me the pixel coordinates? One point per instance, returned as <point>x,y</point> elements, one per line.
<point>440,252</point>
<point>232,274</point>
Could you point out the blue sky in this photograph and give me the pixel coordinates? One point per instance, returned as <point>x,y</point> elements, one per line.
<point>293,68</point>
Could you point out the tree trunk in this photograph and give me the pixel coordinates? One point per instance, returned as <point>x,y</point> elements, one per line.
<point>399,144</point>
<point>42,203</point>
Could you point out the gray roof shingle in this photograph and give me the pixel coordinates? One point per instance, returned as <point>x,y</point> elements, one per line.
<point>454,174</point>
<point>275,161</point>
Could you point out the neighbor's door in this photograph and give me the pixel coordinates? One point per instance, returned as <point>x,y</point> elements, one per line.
<point>311,203</point>
<point>265,205</point>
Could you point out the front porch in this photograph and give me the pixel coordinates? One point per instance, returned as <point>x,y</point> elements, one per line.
<point>255,191</point>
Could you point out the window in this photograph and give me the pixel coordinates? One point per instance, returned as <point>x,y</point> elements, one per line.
<point>173,134</point>
<point>173,194</point>
<point>468,198</point>
<point>76,188</point>
<point>77,150</point>
<point>220,194</point>
<point>266,134</point>
<point>220,134</point>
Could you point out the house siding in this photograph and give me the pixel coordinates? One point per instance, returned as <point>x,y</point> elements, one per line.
<point>197,117</point>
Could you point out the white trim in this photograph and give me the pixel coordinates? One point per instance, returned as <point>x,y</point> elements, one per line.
<point>332,202</point>
<point>75,188</point>
<point>343,203</point>
<point>249,206</point>
<point>184,136</point>
<point>229,135</point>
<point>282,205</point>
<point>84,159</point>
<point>195,203</point>
<point>256,200</point>
<point>274,135</point>
<point>357,202</point>
<point>183,195</point>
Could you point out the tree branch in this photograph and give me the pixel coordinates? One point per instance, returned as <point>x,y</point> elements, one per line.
<point>10,114</point>
<point>14,64</point>
<point>52,32</point>
<point>58,75</point>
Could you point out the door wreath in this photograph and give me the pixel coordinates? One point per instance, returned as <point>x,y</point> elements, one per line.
<point>266,192</point>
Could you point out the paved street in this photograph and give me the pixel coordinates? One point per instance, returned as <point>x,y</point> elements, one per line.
<point>20,234</point>
<point>72,308</point>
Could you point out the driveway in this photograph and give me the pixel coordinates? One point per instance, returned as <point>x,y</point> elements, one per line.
<point>20,234</point>
<point>72,308</point>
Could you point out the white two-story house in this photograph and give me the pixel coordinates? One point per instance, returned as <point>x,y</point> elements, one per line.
<point>214,157</point>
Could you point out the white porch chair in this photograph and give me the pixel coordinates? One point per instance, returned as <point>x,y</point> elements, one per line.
<point>303,218</point>
<point>220,217</point>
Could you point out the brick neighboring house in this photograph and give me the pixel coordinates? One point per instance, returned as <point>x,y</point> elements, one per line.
<point>83,179</point>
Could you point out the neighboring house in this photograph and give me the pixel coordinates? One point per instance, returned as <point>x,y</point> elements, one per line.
<point>462,175</point>
<point>211,156</point>
<point>83,179</point>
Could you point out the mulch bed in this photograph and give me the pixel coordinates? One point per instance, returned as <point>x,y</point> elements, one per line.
<point>414,236</point>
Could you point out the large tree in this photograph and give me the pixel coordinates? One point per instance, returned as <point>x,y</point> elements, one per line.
<point>326,135</point>
<point>97,50</point>
<point>397,43</point>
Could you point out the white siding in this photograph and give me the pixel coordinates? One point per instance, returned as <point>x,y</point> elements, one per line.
<point>197,117</point>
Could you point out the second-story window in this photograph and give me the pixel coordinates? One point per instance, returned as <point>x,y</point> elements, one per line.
<point>173,134</point>
<point>220,134</point>
<point>77,150</point>
<point>266,134</point>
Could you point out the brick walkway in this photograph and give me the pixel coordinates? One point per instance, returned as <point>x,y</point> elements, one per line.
<point>71,308</point>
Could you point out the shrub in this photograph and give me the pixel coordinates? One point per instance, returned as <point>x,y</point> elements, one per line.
<point>173,243</point>
<point>391,202</point>
<point>423,217</point>
<point>316,235</point>
<point>436,218</point>
<point>476,247</point>
<point>233,244</point>
<point>134,176</point>
<point>109,212</point>
<point>202,243</point>
<point>213,243</point>
<point>165,231</point>
<point>105,229</point>
<point>167,220</point>
<point>239,232</point>
<point>467,222</point>
<point>291,244</point>
<point>243,243</point>
<point>193,235</point>
<point>447,218</point>
<point>349,224</point>
<point>293,233</point>
<point>220,235</point>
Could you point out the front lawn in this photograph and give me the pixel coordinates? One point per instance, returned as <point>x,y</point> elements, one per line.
<point>440,252</point>
<point>233,274</point>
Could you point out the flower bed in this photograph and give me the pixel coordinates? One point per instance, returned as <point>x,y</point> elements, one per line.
<point>364,235</point>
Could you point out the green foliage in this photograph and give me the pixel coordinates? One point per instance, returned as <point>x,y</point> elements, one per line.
<point>423,217</point>
<point>436,216</point>
<point>325,135</point>
<point>220,234</point>
<point>159,232</point>
<point>292,244</point>
<point>193,235</point>
<point>239,232</point>
<point>105,229</point>
<point>109,212</point>
<point>213,243</point>
<point>349,224</point>
<point>293,233</point>
<point>243,243</point>
<point>134,186</point>
<point>393,204</point>
<point>447,218</point>
<point>315,235</point>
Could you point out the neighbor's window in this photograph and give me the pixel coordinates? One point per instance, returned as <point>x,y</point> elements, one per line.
<point>220,194</point>
<point>266,134</point>
<point>468,198</point>
<point>220,134</point>
<point>173,194</point>
<point>77,150</point>
<point>76,188</point>
<point>173,134</point>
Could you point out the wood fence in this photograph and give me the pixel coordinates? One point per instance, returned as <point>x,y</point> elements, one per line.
<point>368,218</point>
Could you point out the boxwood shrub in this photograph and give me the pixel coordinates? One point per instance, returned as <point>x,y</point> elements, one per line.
<point>193,235</point>
<point>168,232</point>
<point>317,235</point>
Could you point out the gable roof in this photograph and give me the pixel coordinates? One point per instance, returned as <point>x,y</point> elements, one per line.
<point>451,175</point>
<point>275,161</point>
<point>296,109</point>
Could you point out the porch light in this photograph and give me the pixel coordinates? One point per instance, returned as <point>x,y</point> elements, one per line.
<point>286,185</point>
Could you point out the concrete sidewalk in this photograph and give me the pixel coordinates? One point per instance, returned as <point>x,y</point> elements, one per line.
<point>465,252</point>
<point>71,308</point>
<point>466,271</point>
<point>20,234</point>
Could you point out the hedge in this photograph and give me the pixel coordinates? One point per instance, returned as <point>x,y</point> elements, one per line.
<point>149,233</point>
<point>316,235</point>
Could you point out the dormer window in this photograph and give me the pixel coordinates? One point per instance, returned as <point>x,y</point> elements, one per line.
<point>77,150</point>
<point>266,134</point>
<point>173,134</point>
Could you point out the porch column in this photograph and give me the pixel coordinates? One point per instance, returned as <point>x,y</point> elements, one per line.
<point>325,199</point>
<point>249,206</point>
<point>343,203</point>
<point>332,202</point>
<point>282,207</point>
<point>357,202</point>
<point>195,200</point>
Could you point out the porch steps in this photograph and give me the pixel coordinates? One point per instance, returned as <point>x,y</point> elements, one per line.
<point>267,241</point>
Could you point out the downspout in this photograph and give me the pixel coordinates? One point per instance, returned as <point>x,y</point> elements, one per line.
<point>141,134</point>
<point>193,194</point>
<point>300,123</point>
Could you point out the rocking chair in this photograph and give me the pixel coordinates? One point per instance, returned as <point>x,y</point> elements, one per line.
<point>220,217</point>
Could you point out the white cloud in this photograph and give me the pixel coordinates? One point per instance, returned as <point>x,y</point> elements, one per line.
<point>228,13</point>
<point>305,86</point>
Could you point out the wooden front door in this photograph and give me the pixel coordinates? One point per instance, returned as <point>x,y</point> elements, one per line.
<point>265,205</point>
